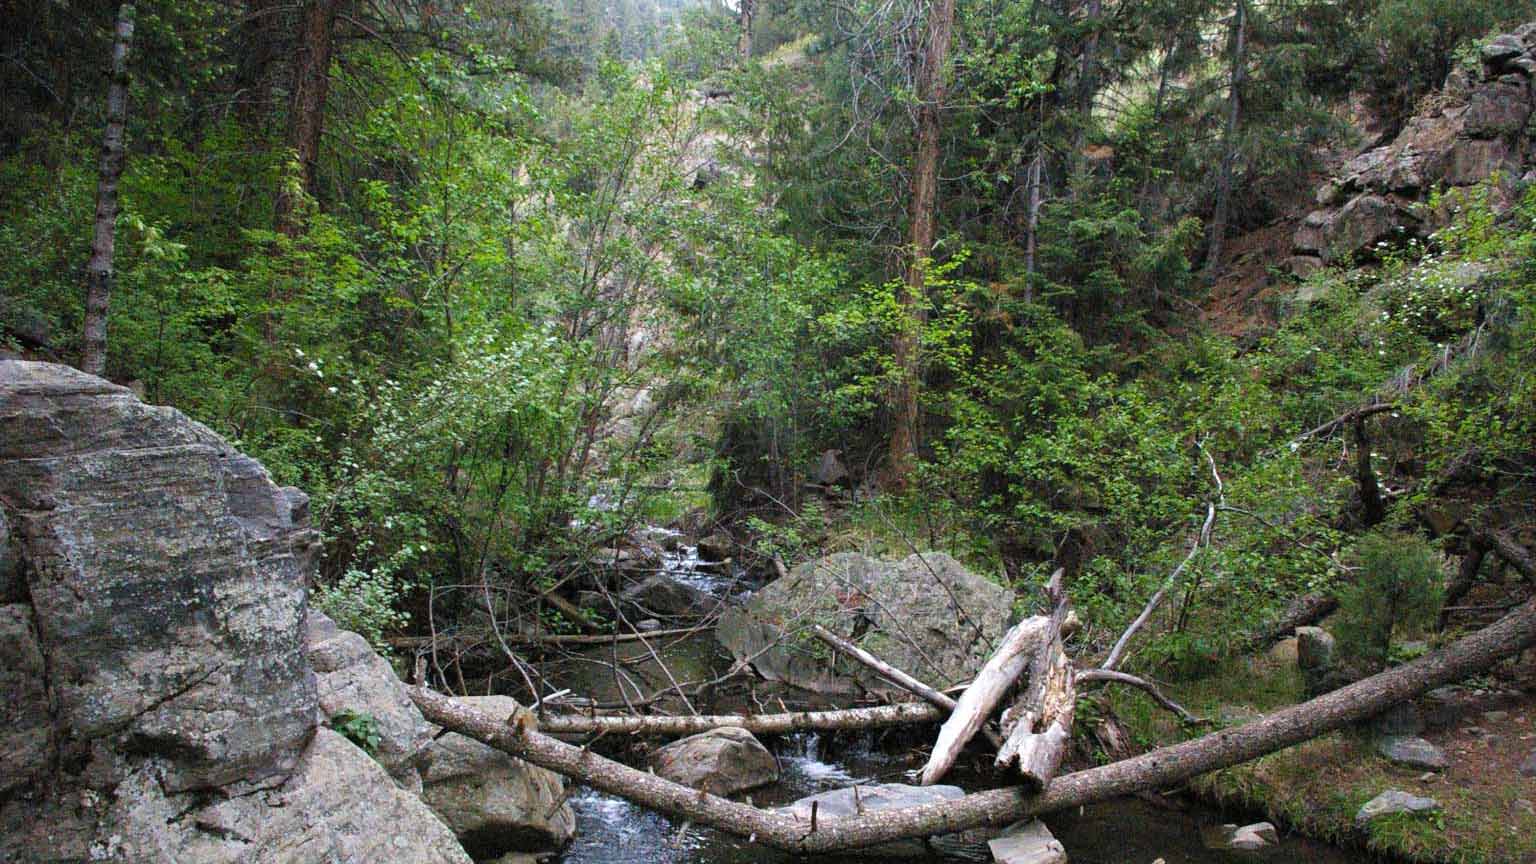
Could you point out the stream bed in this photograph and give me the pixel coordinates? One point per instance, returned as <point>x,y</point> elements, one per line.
<point>610,830</point>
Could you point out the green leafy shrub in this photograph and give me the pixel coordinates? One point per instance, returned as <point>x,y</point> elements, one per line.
<point>358,727</point>
<point>1396,590</point>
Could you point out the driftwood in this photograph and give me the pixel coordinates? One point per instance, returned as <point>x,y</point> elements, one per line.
<point>986,691</point>
<point>1160,768</point>
<point>759,724</point>
<point>1039,725</point>
<point>541,639</point>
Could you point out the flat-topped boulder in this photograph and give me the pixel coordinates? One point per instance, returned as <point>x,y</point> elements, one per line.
<point>721,761</point>
<point>927,615</point>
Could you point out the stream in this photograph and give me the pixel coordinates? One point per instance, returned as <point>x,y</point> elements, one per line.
<point>610,830</point>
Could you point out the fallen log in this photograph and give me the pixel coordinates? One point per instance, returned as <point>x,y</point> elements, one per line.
<point>975,705</point>
<point>541,639</point>
<point>758,724</point>
<point>1511,551</point>
<point>1160,768</point>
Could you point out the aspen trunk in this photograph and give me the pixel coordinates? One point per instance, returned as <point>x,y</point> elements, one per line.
<point>99,277</point>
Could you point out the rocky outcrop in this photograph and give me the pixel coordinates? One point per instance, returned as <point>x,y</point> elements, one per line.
<point>161,665</point>
<point>927,615</point>
<point>351,678</point>
<point>1476,127</point>
<point>166,575</point>
<point>721,761</point>
<point>495,803</point>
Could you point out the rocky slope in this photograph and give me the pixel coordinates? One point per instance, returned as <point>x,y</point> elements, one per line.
<point>169,688</point>
<point>1477,127</point>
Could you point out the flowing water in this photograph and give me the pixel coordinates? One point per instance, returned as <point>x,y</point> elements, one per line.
<point>610,830</point>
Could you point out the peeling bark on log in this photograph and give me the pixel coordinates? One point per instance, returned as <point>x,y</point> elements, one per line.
<point>758,724</point>
<point>1158,769</point>
<point>976,703</point>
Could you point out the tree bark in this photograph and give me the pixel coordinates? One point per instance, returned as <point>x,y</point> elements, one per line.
<point>306,111</point>
<point>1160,768</point>
<point>1038,726</point>
<point>1304,610</point>
<point>932,69</point>
<point>1372,508</point>
<point>99,276</point>
<point>1229,140</point>
<point>1511,551</point>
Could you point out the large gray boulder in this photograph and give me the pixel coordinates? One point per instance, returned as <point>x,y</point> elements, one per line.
<point>721,761</point>
<point>350,677</point>
<point>166,574</point>
<point>494,802</point>
<point>25,728</point>
<point>339,806</point>
<point>927,615</point>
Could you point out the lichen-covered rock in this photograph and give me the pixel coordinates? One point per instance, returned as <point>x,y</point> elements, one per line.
<point>25,729</point>
<point>339,806</point>
<point>1391,802</point>
<point>721,761</point>
<point>166,573</point>
<point>927,615</point>
<point>351,677</point>
<point>1413,752</point>
<point>494,802</point>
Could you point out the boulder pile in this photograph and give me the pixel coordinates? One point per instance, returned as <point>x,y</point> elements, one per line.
<point>171,695</point>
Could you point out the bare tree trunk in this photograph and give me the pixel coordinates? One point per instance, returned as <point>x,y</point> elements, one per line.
<point>253,76</point>
<point>1466,576</point>
<point>99,276</point>
<point>306,113</point>
<point>1157,769</point>
<point>1032,217</point>
<point>746,9</point>
<point>1372,508</point>
<point>1087,81</point>
<point>1229,140</point>
<point>933,66</point>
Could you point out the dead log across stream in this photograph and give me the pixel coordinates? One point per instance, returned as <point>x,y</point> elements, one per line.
<point>758,724</point>
<point>1158,769</point>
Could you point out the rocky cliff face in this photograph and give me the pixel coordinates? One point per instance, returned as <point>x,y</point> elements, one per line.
<point>1477,127</point>
<point>160,662</point>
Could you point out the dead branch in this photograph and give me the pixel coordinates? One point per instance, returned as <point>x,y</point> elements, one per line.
<point>1109,676</point>
<point>1117,653</point>
<point>884,669</point>
<point>1158,769</point>
<point>758,724</point>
